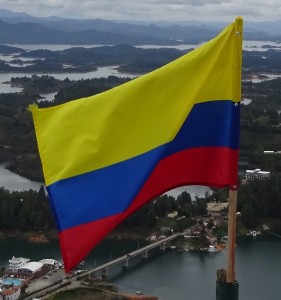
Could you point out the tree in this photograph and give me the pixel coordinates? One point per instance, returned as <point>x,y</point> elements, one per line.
<point>247,215</point>
<point>184,200</point>
<point>164,205</point>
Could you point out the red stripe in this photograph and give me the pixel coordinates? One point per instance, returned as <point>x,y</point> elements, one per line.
<point>77,242</point>
<point>210,166</point>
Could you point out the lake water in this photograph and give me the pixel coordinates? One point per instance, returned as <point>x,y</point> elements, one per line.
<point>106,250</point>
<point>13,182</point>
<point>247,45</point>
<point>187,275</point>
<point>174,275</point>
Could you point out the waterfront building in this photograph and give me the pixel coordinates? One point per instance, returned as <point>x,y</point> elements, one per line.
<point>51,263</point>
<point>22,268</point>
<point>17,262</point>
<point>30,268</point>
<point>257,174</point>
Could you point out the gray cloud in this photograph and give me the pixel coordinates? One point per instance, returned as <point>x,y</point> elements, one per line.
<point>150,10</point>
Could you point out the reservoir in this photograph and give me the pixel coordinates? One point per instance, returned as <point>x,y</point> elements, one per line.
<point>176,275</point>
<point>191,275</point>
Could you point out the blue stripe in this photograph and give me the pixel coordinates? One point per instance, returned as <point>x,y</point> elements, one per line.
<point>210,124</point>
<point>101,193</point>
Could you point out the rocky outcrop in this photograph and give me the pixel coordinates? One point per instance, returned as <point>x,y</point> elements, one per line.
<point>37,238</point>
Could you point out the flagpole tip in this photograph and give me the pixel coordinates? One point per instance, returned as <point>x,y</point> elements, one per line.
<point>239,22</point>
<point>32,107</point>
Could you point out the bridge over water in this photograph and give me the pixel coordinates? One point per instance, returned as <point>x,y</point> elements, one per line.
<point>125,259</point>
<point>102,270</point>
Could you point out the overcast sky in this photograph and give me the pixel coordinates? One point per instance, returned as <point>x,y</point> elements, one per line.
<point>150,10</point>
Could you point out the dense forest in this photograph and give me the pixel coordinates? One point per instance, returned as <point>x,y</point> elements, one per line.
<point>28,210</point>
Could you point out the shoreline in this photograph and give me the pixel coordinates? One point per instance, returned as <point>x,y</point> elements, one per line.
<point>270,226</point>
<point>46,237</point>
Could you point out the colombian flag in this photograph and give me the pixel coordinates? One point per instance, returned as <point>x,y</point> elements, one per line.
<point>107,155</point>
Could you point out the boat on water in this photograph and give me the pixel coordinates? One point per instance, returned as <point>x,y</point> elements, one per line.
<point>254,233</point>
<point>212,248</point>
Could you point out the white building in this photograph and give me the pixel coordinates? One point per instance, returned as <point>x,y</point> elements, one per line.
<point>12,293</point>
<point>30,268</point>
<point>22,268</point>
<point>17,262</point>
<point>51,262</point>
<point>257,174</point>
<point>268,152</point>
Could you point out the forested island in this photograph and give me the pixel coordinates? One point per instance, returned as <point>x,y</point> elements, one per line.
<point>129,59</point>
<point>258,200</point>
<point>79,59</point>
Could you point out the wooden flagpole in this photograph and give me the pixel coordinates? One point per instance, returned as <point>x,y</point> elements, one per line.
<point>227,288</point>
<point>230,272</point>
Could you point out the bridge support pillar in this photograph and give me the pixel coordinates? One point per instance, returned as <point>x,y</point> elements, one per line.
<point>126,263</point>
<point>163,246</point>
<point>104,273</point>
<point>145,254</point>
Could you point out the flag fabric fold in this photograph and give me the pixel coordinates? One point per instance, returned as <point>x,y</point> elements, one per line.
<point>105,156</point>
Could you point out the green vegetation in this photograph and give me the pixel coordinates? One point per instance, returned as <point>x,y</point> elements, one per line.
<point>261,125</point>
<point>261,62</point>
<point>220,231</point>
<point>260,200</point>
<point>154,216</point>
<point>40,84</point>
<point>26,211</point>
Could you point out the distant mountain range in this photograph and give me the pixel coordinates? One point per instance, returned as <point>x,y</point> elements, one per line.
<point>22,28</point>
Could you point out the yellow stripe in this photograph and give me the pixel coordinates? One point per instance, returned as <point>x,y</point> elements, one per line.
<point>94,132</point>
